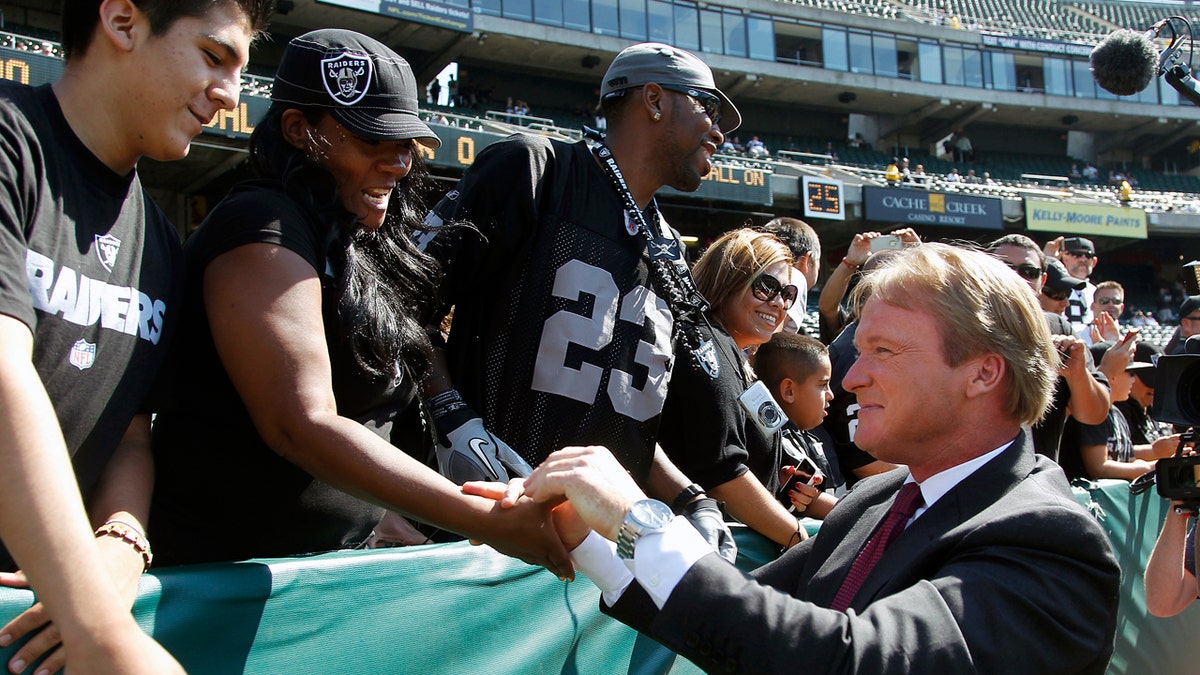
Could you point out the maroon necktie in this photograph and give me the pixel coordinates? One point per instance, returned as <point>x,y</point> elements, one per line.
<point>908,500</point>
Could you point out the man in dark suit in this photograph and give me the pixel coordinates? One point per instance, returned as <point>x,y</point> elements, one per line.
<point>998,570</point>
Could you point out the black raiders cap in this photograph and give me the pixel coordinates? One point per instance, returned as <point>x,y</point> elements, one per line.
<point>367,87</point>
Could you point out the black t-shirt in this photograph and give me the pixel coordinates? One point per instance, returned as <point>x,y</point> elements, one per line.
<point>559,336</point>
<point>1047,434</point>
<point>1113,433</point>
<point>91,265</point>
<point>1143,429</point>
<point>221,492</point>
<point>705,430</point>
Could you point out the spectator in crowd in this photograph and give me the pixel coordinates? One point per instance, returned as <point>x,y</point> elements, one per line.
<point>1078,255</point>
<point>705,429</point>
<point>830,152</point>
<point>1189,325</point>
<point>964,152</point>
<point>435,92</point>
<point>1143,429</point>
<point>857,140</point>
<point>972,178</point>
<point>919,177</point>
<point>1125,193</point>
<point>452,91</point>
<point>1091,173</point>
<point>1107,450</point>
<point>303,338</point>
<point>561,208</point>
<point>833,316</point>
<point>801,239</point>
<point>892,173</point>
<point>1108,303</point>
<point>757,149</point>
<point>905,171</point>
<point>1000,536</point>
<point>953,176</point>
<point>75,397</point>
<point>1079,389</point>
<point>797,370</point>
<point>1057,288</point>
<point>987,179</point>
<point>1074,172</point>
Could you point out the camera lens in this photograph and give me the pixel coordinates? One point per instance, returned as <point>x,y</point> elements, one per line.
<point>1188,396</point>
<point>769,414</point>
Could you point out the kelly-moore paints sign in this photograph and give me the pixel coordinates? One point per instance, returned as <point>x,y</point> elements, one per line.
<point>1089,219</point>
<point>923,207</point>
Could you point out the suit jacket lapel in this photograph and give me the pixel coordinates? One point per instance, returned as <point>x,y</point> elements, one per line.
<point>917,544</point>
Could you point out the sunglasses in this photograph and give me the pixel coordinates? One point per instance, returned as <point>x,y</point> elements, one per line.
<point>765,287</point>
<point>1026,271</point>
<point>1082,254</point>
<point>1110,301</point>
<point>709,102</point>
<point>1056,295</point>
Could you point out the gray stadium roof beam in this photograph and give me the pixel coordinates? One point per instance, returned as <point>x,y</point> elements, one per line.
<point>970,115</point>
<point>1117,140</point>
<point>741,84</point>
<point>913,117</point>
<point>430,69</point>
<point>1183,131</point>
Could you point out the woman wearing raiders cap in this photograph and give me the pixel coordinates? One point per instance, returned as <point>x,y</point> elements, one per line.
<point>295,370</point>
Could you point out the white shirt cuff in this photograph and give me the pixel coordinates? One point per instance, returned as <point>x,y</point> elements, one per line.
<point>597,559</point>
<point>660,559</point>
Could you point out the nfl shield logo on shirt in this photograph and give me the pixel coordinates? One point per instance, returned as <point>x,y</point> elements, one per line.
<point>83,354</point>
<point>107,248</point>
<point>346,77</point>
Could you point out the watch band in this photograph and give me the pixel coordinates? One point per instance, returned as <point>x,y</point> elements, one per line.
<point>688,494</point>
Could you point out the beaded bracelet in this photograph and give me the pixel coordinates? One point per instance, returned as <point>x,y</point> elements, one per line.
<point>130,535</point>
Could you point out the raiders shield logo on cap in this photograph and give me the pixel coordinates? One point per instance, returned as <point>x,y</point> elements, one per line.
<point>346,77</point>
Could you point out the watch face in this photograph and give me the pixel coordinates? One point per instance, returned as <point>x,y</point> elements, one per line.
<point>651,513</point>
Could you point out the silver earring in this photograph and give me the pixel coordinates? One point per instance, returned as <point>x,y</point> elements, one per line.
<point>657,116</point>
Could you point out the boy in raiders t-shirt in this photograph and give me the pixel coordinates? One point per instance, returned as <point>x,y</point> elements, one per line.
<point>89,288</point>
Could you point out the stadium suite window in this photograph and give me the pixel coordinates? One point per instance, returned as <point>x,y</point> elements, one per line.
<point>577,14</point>
<point>712,32</point>
<point>518,9</point>
<point>633,18</point>
<point>687,27</point>
<point>662,26</point>
<point>929,58</point>
<point>761,34</point>
<point>833,49</point>
<point>605,17</point>
<point>734,24</point>
<point>549,12</point>
<point>861,56</point>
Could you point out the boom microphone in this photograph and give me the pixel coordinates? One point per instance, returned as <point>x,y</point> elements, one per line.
<point>1125,62</point>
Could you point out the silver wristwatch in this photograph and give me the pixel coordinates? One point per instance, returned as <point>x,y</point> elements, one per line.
<point>646,515</point>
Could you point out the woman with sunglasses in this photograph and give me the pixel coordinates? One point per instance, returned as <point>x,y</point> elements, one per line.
<point>706,429</point>
<point>303,339</point>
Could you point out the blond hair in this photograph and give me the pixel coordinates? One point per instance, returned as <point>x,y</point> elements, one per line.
<point>978,307</point>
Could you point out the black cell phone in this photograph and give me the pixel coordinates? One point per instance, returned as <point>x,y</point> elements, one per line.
<point>805,467</point>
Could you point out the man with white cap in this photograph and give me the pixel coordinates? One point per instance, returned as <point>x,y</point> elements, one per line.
<point>568,293</point>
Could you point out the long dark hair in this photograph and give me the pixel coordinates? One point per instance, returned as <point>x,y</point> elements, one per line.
<point>385,286</point>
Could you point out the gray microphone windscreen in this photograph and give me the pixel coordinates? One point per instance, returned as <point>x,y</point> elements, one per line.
<point>1125,62</point>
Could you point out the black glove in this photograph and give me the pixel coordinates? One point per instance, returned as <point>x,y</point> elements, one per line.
<point>705,515</point>
<point>465,449</point>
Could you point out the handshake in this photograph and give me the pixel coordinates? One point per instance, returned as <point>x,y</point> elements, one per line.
<point>592,491</point>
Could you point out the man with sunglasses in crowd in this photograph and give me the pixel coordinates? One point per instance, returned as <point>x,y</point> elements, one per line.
<point>1108,302</point>
<point>1078,255</point>
<point>1081,390</point>
<point>569,288</point>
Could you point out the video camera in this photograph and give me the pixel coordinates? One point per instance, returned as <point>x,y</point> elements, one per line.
<point>1177,401</point>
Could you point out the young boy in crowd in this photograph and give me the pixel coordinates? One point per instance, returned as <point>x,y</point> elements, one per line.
<point>796,369</point>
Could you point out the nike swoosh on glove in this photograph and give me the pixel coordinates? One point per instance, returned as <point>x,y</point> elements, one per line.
<point>471,452</point>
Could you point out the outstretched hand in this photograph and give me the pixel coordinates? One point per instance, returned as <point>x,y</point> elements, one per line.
<point>598,487</point>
